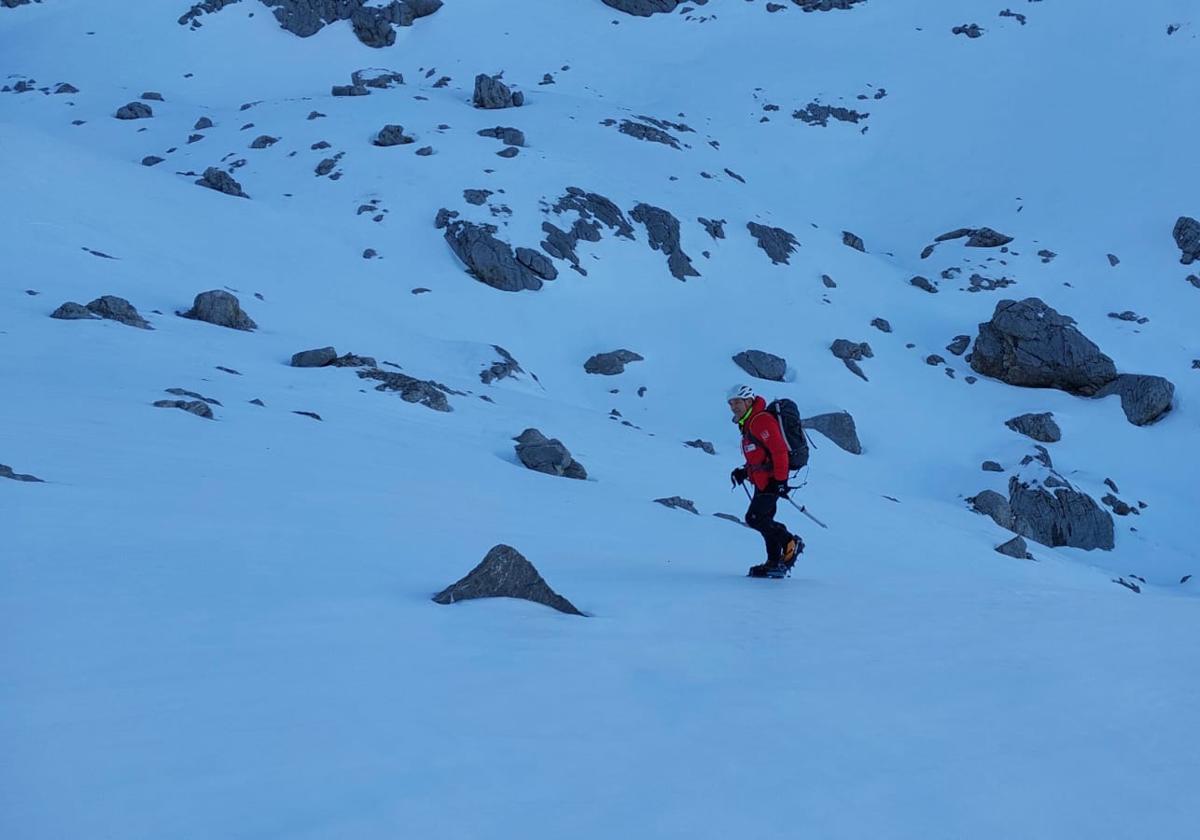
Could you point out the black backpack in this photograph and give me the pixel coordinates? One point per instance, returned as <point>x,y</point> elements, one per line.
<point>788,415</point>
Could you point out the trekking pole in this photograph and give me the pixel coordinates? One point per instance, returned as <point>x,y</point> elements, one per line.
<point>804,510</point>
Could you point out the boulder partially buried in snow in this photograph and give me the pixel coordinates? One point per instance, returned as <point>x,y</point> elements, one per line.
<point>776,242</point>
<point>1187,237</point>
<point>643,8</point>
<point>1028,343</point>
<point>221,308</point>
<point>493,262</point>
<point>505,573</point>
<point>221,181</point>
<point>1037,426</point>
<point>319,357</point>
<point>1062,516</point>
<point>611,364</point>
<point>761,365</point>
<point>547,455</point>
<point>662,230</point>
<point>134,111</point>
<point>492,94</point>
<point>1144,399</point>
<point>839,427</point>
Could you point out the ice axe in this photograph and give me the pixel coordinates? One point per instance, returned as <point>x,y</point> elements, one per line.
<point>804,510</point>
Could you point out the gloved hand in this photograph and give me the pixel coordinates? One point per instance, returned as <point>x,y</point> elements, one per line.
<point>739,475</point>
<point>779,488</point>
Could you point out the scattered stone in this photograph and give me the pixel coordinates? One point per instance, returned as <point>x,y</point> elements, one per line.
<point>680,503</point>
<point>611,364</point>
<point>641,131</point>
<point>1128,315</point>
<point>257,402</point>
<point>351,360</point>
<point>202,123</point>
<point>990,503</point>
<point>72,311</point>
<point>992,466</point>
<point>851,240</point>
<point>828,281</point>
<point>643,8</point>
<point>1028,343</point>
<point>491,93</point>
<point>702,445</point>
<point>325,167</point>
<point>377,78</point>
<point>881,324</point>
<point>426,392</point>
<point>923,283</point>
<point>443,217</point>
<point>1015,548</point>
<point>349,90</point>
<point>1187,237</point>
<point>1046,255</point>
<point>933,360</point>
<point>424,151</point>
<point>1113,260</point>
<point>183,392</point>
<point>839,427</point>
<point>476,197</point>
<point>7,472</point>
<point>505,368</point>
<point>197,407</point>
<point>314,358</point>
<point>114,308</point>
<point>730,517</point>
<point>1040,427</point>
<point>983,237</point>
<point>547,455</point>
<point>369,254</point>
<point>311,414</point>
<point>151,160</point>
<point>714,227</point>
<point>392,135</point>
<point>228,370</point>
<point>195,138</point>
<point>776,242</point>
<point>1144,399</point>
<point>1010,13</point>
<point>221,308</point>
<point>508,152</point>
<point>222,182</point>
<point>134,111</point>
<point>851,353</point>
<point>152,95</point>
<point>505,573</point>
<point>314,115</point>
<point>818,114</point>
<point>505,134</point>
<point>971,30</point>
<point>979,283</point>
<point>761,365</point>
<point>1128,584</point>
<point>959,345</point>
<point>662,230</point>
<point>263,141</point>
<point>1119,507</point>
<point>65,87</point>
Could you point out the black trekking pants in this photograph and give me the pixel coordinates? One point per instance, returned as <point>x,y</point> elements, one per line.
<point>761,517</point>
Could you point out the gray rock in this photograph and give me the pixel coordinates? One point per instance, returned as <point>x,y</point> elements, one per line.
<point>933,360</point>
<point>351,360</point>
<point>263,141</point>
<point>72,311</point>
<point>761,365</point>
<point>1194,280</point>
<point>325,167</point>
<point>1015,548</point>
<point>537,262</point>
<point>851,353</point>
<point>197,407</point>
<point>1119,507</point>
<point>425,392</point>
<point>1028,343</point>
<point>183,392</point>
<point>222,182</point>
<point>649,133</point>
<point>65,87</point>
<point>508,152</point>
<point>923,283</point>
<point>853,241</point>
<point>377,78</point>
<point>118,309</point>
<point>992,466</point>
<point>1113,260</point>
<point>959,345</point>
<point>221,308</point>
<point>505,573</point>
<point>151,160</point>
<point>202,123</point>
<point>1187,237</point>
<point>611,364</point>
<point>715,227</point>
<point>476,197</point>
<point>662,230</point>
<point>488,259</point>
<point>1128,315</point>
<point>152,95</point>
<point>392,135</point>
<point>7,472</point>
<point>776,242</point>
<point>680,503</point>
<point>1037,426</point>
<point>990,503</point>
<point>1144,399</point>
<point>135,111</point>
<point>506,368</point>
<point>828,281</point>
<point>643,8</point>
<point>349,90</point>
<point>839,427</point>
<point>314,358</point>
<point>881,324</point>
<point>1065,517</point>
<point>593,206</point>
<point>443,217</point>
<point>701,445</point>
<point>491,93</point>
<point>505,134</point>
<point>547,455</point>
<point>425,151</point>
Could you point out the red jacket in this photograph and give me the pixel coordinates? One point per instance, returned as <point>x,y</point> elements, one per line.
<point>759,429</point>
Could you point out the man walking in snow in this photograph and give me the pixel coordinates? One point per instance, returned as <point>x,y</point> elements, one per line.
<point>766,467</point>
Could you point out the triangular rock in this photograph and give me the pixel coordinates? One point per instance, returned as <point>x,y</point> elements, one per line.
<point>505,573</point>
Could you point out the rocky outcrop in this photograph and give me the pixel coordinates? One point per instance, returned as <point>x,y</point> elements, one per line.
<point>197,407</point>
<point>221,181</point>
<point>1061,516</point>
<point>1187,237</point>
<point>422,391</point>
<point>662,230</point>
<point>851,353</point>
<point>1028,343</point>
<point>643,8</point>
<point>839,427</point>
<point>505,573</point>
<point>547,455</point>
<point>493,94</point>
<point>1040,427</point>
<point>134,111</point>
<point>505,134</point>
<point>493,262</point>
<point>505,368</point>
<point>319,357</point>
<point>392,135</point>
<point>680,503</point>
<point>778,243</point>
<point>372,22</point>
<point>1015,548</point>
<point>7,472</point>
<point>1144,399</point>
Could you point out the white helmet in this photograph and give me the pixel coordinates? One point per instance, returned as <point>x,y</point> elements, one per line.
<point>740,392</point>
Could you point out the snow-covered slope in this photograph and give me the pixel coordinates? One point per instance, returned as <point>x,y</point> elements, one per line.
<point>223,628</point>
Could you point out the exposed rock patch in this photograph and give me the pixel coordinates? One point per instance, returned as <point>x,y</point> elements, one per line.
<point>505,573</point>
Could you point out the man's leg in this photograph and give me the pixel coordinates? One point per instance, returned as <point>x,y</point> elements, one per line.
<point>761,517</point>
